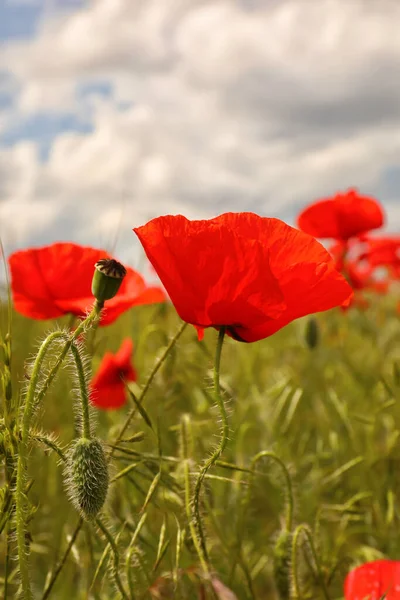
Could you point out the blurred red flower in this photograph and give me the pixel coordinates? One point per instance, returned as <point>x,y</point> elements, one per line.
<point>373,581</point>
<point>107,388</point>
<point>341,217</point>
<point>360,277</point>
<point>252,274</point>
<point>56,280</point>
<point>359,273</point>
<point>382,251</point>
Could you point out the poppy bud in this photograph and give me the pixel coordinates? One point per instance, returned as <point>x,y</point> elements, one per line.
<point>312,333</point>
<point>87,476</point>
<point>282,564</point>
<point>107,279</point>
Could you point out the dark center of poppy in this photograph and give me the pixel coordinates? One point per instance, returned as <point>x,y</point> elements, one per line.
<point>111,268</point>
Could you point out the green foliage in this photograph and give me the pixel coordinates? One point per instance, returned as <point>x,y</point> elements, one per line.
<point>282,564</point>
<point>331,415</point>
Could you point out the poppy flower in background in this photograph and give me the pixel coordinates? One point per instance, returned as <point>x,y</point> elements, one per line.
<point>358,270</point>
<point>341,217</point>
<point>373,581</point>
<point>361,277</point>
<point>107,388</point>
<point>251,274</point>
<point>56,280</point>
<point>382,251</point>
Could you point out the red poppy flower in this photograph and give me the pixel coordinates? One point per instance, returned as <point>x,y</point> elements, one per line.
<point>56,280</point>
<point>251,274</point>
<point>359,277</point>
<point>363,278</point>
<point>107,388</point>
<point>341,217</point>
<point>382,251</point>
<point>373,581</point>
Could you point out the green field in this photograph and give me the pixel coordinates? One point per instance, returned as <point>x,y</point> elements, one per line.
<point>329,415</point>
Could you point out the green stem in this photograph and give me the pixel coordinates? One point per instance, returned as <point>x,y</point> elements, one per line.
<point>30,402</point>
<point>146,387</point>
<point>61,564</point>
<point>50,444</point>
<point>288,481</point>
<point>218,451</point>
<point>90,319</point>
<point>114,548</point>
<point>21,464</point>
<point>298,531</point>
<point>186,444</point>
<point>246,501</point>
<point>130,551</point>
<point>9,451</point>
<point>84,396</point>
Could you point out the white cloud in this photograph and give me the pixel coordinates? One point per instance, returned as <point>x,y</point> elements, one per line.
<point>225,107</point>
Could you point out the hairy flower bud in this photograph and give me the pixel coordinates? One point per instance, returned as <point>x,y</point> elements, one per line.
<point>282,564</point>
<point>87,476</point>
<point>107,279</point>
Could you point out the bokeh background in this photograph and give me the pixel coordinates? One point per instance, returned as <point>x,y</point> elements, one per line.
<point>115,111</point>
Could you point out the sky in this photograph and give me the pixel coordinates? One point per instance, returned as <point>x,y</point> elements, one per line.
<point>113,112</point>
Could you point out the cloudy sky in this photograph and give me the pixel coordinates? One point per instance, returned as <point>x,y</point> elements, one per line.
<point>115,111</point>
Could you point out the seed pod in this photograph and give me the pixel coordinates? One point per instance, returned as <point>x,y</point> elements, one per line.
<point>107,279</point>
<point>87,476</point>
<point>282,564</point>
<point>312,333</point>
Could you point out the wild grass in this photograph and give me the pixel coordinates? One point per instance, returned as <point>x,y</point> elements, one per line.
<point>315,431</point>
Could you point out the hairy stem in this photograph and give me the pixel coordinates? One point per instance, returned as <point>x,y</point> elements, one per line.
<point>9,450</point>
<point>130,551</point>
<point>62,562</point>
<point>303,529</point>
<point>84,396</point>
<point>30,401</point>
<point>21,465</point>
<point>90,320</point>
<point>288,481</point>
<point>246,501</point>
<point>218,451</point>
<point>114,548</point>
<point>186,445</point>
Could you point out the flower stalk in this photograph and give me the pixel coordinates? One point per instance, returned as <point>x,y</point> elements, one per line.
<point>33,399</point>
<point>218,451</point>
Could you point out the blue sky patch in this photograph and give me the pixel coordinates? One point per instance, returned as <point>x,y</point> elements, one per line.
<point>94,88</point>
<point>43,128</point>
<point>6,100</point>
<point>19,20</point>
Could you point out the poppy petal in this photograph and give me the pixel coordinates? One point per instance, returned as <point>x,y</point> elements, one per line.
<point>248,273</point>
<point>228,282</point>
<point>373,580</point>
<point>342,216</point>
<point>55,280</point>
<point>108,384</point>
<point>108,397</point>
